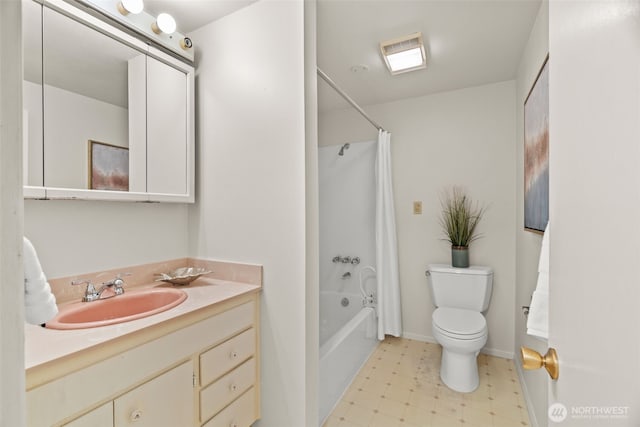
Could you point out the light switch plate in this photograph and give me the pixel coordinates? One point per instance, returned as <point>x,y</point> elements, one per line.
<point>417,208</point>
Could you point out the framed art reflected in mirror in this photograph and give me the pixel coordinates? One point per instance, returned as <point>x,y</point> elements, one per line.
<point>108,167</point>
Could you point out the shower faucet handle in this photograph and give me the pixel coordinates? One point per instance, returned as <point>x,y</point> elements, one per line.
<point>346,259</point>
<point>355,260</point>
<point>336,259</point>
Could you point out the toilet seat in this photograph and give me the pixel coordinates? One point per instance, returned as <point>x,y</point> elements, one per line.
<point>459,323</point>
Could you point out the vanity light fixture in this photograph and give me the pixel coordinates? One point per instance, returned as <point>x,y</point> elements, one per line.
<point>164,23</point>
<point>404,54</point>
<point>131,14</point>
<point>126,7</point>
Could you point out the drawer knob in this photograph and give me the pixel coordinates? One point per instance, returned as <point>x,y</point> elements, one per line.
<point>233,387</point>
<point>233,355</point>
<point>136,415</point>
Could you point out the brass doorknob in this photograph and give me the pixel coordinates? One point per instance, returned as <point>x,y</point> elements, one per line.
<point>531,359</point>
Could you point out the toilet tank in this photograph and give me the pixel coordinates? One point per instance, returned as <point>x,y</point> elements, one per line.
<point>468,288</point>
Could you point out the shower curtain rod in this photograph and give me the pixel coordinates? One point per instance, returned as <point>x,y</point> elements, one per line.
<point>347,98</point>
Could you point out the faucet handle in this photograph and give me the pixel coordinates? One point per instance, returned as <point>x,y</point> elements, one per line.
<point>117,283</point>
<point>90,287</point>
<point>90,294</point>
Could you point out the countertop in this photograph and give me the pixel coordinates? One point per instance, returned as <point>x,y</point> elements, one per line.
<point>44,346</point>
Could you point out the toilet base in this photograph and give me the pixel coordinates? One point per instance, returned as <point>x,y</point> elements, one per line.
<point>459,371</point>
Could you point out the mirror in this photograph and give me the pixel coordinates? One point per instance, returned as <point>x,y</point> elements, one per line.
<point>86,106</point>
<point>103,114</point>
<point>32,94</point>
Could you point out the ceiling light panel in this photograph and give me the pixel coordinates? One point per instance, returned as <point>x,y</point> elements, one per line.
<point>404,54</point>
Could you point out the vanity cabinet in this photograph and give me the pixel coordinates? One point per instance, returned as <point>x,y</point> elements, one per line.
<point>203,373</point>
<point>99,417</point>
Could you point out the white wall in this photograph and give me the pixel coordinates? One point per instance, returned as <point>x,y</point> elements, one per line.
<point>528,243</point>
<point>464,137</point>
<point>71,120</point>
<point>347,216</point>
<point>251,181</point>
<point>74,237</point>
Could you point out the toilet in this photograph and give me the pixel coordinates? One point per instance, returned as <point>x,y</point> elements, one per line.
<point>460,296</point>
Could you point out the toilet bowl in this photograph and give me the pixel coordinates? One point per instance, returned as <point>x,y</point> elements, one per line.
<point>460,295</point>
<point>461,333</point>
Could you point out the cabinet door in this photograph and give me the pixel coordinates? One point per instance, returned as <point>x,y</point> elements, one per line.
<point>99,417</point>
<point>165,401</point>
<point>167,146</point>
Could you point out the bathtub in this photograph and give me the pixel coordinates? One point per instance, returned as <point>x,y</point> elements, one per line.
<point>348,335</point>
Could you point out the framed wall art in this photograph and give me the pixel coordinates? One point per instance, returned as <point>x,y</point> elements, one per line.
<point>536,153</point>
<point>108,167</point>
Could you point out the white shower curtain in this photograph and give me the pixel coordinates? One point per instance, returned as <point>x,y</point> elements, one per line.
<point>389,313</point>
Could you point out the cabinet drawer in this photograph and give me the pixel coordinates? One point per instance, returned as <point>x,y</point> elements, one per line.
<point>226,389</point>
<point>221,359</point>
<point>99,417</point>
<point>240,413</point>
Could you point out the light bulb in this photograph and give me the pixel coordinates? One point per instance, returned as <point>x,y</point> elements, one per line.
<point>126,7</point>
<point>164,24</point>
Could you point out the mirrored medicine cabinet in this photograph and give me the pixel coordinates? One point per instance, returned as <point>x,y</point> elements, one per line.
<point>105,115</point>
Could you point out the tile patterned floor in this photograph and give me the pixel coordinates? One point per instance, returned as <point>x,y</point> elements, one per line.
<point>400,386</point>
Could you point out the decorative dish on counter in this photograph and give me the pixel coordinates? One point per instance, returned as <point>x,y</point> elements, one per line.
<point>182,276</point>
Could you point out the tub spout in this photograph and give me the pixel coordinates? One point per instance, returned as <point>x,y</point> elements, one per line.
<point>346,275</point>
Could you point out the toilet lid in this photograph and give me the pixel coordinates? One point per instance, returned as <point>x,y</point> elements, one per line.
<point>459,321</point>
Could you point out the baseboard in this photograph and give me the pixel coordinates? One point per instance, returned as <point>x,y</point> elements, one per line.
<point>418,337</point>
<point>490,351</point>
<point>527,398</point>
<point>498,353</point>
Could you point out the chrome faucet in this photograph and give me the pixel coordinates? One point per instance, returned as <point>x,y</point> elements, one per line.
<point>93,294</point>
<point>115,284</point>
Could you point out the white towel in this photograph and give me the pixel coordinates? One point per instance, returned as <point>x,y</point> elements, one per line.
<point>543,263</point>
<point>538,320</point>
<point>39,301</point>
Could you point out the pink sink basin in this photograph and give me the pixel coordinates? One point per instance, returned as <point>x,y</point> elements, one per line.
<point>131,305</point>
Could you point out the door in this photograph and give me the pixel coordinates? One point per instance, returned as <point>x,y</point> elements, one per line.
<point>595,212</point>
<point>167,144</point>
<point>165,401</point>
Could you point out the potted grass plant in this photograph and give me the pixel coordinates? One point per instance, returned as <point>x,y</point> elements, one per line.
<point>460,217</point>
